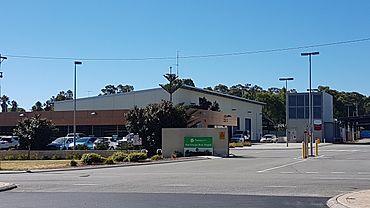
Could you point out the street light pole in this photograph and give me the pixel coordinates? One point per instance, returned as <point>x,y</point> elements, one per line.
<point>74,104</point>
<point>286,106</point>
<point>310,97</point>
<point>2,58</point>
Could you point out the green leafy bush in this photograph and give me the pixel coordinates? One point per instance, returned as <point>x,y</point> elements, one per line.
<point>9,157</point>
<point>45,157</point>
<point>177,154</point>
<point>156,157</point>
<point>102,146</point>
<point>109,161</point>
<point>74,156</point>
<point>90,158</point>
<point>22,157</point>
<point>81,147</point>
<point>73,163</point>
<point>55,157</point>
<point>137,156</point>
<point>120,157</point>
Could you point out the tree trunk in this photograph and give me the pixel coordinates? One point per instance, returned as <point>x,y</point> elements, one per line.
<point>29,152</point>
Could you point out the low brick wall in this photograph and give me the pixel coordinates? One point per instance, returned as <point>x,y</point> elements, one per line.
<point>55,153</point>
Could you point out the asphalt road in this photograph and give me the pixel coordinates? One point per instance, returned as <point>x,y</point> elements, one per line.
<point>140,200</point>
<point>262,178</point>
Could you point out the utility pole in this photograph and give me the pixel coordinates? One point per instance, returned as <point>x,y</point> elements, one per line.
<point>2,58</point>
<point>310,98</point>
<point>286,106</point>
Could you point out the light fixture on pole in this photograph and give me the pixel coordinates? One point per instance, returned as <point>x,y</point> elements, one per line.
<point>2,58</point>
<point>310,97</point>
<point>74,103</point>
<point>286,79</point>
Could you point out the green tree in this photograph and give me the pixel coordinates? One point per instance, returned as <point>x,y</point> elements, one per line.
<point>4,103</point>
<point>14,105</point>
<point>148,122</point>
<point>37,106</point>
<point>188,82</point>
<point>173,84</point>
<point>34,133</point>
<point>124,88</point>
<point>221,88</point>
<point>109,90</point>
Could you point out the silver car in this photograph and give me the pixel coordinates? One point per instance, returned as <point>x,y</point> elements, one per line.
<point>269,138</point>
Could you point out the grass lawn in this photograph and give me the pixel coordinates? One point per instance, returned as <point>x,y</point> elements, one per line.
<point>34,164</point>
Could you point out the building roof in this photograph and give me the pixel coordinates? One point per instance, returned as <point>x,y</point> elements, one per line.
<point>187,87</point>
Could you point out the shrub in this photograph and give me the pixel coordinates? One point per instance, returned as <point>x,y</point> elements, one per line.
<point>74,156</point>
<point>90,158</point>
<point>137,156</point>
<point>22,157</point>
<point>73,163</point>
<point>45,157</point>
<point>81,147</point>
<point>177,154</point>
<point>55,157</point>
<point>9,157</point>
<point>102,146</point>
<point>109,161</point>
<point>247,143</point>
<point>156,157</point>
<point>120,157</point>
<point>231,145</point>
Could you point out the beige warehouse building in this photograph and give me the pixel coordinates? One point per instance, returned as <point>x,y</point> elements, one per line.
<point>247,112</point>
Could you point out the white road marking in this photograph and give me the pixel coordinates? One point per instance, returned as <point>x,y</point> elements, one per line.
<point>363,173</point>
<point>281,166</point>
<point>280,186</point>
<point>359,179</point>
<point>312,172</point>
<point>287,172</point>
<point>176,185</point>
<point>340,150</point>
<point>85,184</point>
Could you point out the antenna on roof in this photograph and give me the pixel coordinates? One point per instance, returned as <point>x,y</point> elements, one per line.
<point>177,63</point>
<point>170,69</point>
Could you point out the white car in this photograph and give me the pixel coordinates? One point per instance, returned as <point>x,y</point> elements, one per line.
<point>269,138</point>
<point>7,142</point>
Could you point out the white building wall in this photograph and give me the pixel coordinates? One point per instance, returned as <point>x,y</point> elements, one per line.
<point>242,109</point>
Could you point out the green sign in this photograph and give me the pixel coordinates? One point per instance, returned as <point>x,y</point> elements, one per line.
<point>198,142</point>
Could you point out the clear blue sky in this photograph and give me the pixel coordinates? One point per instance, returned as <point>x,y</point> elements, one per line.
<point>140,29</point>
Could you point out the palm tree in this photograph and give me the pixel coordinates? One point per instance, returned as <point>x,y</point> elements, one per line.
<point>4,103</point>
<point>14,105</point>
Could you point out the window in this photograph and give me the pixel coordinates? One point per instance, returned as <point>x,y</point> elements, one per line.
<point>317,100</point>
<point>300,112</point>
<point>300,100</point>
<point>317,112</point>
<point>292,100</point>
<point>293,113</point>
<point>306,100</point>
<point>307,113</point>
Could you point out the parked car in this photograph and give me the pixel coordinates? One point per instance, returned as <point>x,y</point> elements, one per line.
<point>85,141</point>
<point>238,138</point>
<point>61,143</point>
<point>111,143</point>
<point>78,135</point>
<point>7,142</point>
<point>269,138</point>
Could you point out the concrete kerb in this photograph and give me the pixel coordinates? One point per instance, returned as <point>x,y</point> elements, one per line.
<point>258,147</point>
<point>106,166</point>
<point>7,186</point>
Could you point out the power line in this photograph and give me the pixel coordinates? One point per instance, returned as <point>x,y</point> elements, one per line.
<point>192,56</point>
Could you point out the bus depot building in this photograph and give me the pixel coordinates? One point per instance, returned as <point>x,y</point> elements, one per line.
<point>105,115</point>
